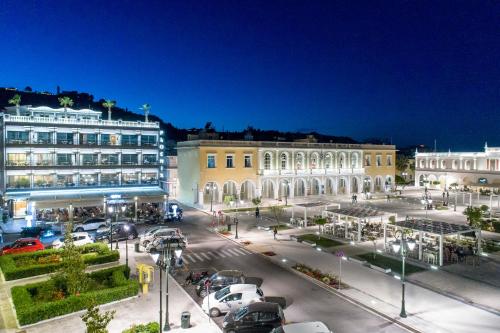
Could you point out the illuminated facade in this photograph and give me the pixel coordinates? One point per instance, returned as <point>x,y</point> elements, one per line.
<point>62,152</point>
<point>212,170</point>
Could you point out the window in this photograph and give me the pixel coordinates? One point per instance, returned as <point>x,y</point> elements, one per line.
<point>109,139</point>
<point>43,159</point>
<point>267,161</point>
<point>299,161</point>
<point>18,182</point>
<point>88,139</point>
<point>110,179</point>
<point>17,137</point>
<point>148,140</point>
<point>211,161</point>
<point>88,159</point>
<point>389,160</point>
<point>233,297</point>
<point>283,162</point>
<point>129,140</point>
<point>229,161</point>
<point>129,159</point>
<point>17,159</point>
<point>222,292</point>
<point>44,137</point>
<point>65,181</point>
<point>88,180</point>
<point>149,159</point>
<point>63,159</point>
<point>267,316</point>
<point>248,161</point>
<point>328,161</point>
<point>129,178</point>
<point>43,181</point>
<point>149,178</point>
<point>314,161</point>
<point>64,138</point>
<point>109,159</point>
<point>368,160</point>
<point>379,160</point>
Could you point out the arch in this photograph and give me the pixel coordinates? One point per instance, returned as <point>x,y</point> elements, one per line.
<point>388,182</point>
<point>379,184</point>
<point>354,185</point>
<point>314,161</point>
<point>433,164</point>
<point>330,186</point>
<point>268,161</point>
<point>299,161</point>
<point>342,160</point>
<point>299,187</point>
<point>247,190</point>
<point>284,189</point>
<point>354,160</point>
<point>421,180</point>
<point>342,185</point>
<point>315,186</point>
<point>454,164</point>
<point>367,184</point>
<point>283,161</point>
<point>468,165</point>
<point>443,164</point>
<point>211,193</point>
<point>328,161</point>
<point>422,163</point>
<point>230,188</point>
<point>268,188</point>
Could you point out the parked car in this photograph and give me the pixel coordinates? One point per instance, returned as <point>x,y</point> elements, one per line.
<point>219,280</point>
<point>261,317</point>
<point>38,231</point>
<point>307,327</point>
<point>79,238</point>
<point>23,245</point>
<point>160,232</point>
<point>121,230</point>
<point>174,213</point>
<point>90,224</point>
<point>231,298</point>
<point>158,243</point>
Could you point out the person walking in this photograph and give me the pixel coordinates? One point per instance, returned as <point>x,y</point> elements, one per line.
<point>275,232</point>
<point>257,212</point>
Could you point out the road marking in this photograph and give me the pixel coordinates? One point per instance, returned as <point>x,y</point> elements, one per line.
<point>198,256</point>
<point>246,251</point>
<point>239,251</point>
<point>227,253</point>
<point>233,252</point>
<point>220,253</point>
<point>191,258</point>
<point>206,257</point>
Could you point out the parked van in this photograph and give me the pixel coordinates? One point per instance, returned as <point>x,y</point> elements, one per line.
<point>231,298</point>
<point>307,327</point>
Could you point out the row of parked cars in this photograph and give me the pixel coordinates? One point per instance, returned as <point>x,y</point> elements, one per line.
<point>247,309</point>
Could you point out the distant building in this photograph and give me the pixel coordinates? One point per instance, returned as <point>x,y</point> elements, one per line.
<point>52,158</point>
<point>477,170</point>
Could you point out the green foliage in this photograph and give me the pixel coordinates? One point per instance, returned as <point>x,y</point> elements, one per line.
<point>152,327</point>
<point>392,219</point>
<point>18,266</point>
<point>484,208</point>
<point>474,215</point>
<point>320,221</point>
<point>95,321</point>
<point>496,226</point>
<point>277,212</point>
<point>15,100</point>
<point>65,101</point>
<point>257,201</point>
<point>402,162</point>
<point>30,310</point>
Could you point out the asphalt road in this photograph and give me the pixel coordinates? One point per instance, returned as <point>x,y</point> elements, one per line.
<point>305,300</point>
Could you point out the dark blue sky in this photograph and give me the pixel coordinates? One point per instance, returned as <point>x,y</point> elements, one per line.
<point>411,70</point>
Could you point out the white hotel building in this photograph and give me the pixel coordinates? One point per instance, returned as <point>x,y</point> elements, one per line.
<point>475,170</point>
<point>54,157</point>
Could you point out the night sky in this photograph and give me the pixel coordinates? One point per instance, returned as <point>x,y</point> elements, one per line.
<point>413,71</point>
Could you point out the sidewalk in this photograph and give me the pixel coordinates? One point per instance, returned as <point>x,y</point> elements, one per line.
<point>137,310</point>
<point>427,311</point>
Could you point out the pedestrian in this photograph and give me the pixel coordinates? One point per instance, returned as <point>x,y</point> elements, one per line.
<point>257,212</point>
<point>356,198</point>
<point>275,232</point>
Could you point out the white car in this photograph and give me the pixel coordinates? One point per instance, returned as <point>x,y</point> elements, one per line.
<point>231,298</point>
<point>307,327</point>
<point>160,233</point>
<point>79,238</point>
<point>90,224</point>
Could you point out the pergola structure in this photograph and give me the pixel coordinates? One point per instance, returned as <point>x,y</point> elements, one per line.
<point>359,214</point>
<point>439,229</point>
<point>311,205</point>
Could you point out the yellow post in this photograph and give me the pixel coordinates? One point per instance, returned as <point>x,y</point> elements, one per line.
<point>146,274</point>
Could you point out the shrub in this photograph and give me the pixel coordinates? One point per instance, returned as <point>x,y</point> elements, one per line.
<point>30,310</point>
<point>152,327</point>
<point>496,226</point>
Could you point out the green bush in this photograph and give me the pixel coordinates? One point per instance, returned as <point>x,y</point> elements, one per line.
<point>17,266</point>
<point>30,310</point>
<point>152,327</point>
<point>496,226</point>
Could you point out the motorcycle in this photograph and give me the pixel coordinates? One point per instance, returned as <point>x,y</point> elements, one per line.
<point>194,278</point>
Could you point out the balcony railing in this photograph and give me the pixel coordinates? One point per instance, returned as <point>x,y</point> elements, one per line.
<point>88,122</point>
<point>305,172</point>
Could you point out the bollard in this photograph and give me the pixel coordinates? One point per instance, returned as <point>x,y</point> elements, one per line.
<point>229,227</point>
<point>136,247</point>
<point>185,319</point>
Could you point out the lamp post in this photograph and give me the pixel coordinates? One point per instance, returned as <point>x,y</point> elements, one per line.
<point>211,187</point>
<point>126,228</point>
<point>235,220</point>
<point>135,209</point>
<point>110,210</point>
<point>122,208</point>
<point>402,245</point>
<point>426,201</point>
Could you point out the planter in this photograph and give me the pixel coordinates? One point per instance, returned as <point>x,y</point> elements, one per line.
<point>380,269</point>
<point>327,279</point>
<point>361,262</point>
<point>312,244</point>
<point>294,238</point>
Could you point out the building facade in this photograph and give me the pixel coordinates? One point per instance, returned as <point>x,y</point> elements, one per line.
<point>477,170</point>
<point>212,170</point>
<point>52,154</point>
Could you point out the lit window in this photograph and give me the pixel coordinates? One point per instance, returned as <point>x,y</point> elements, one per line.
<point>210,161</point>
<point>283,161</point>
<point>267,161</point>
<point>229,161</point>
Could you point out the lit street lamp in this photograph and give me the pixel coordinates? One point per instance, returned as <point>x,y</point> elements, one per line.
<point>211,187</point>
<point>135,209</point>
<point>426,201</point>
<point>402,245</point>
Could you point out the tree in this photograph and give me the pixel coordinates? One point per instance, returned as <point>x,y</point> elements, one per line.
<point>400,181</point>
<point>95,321</point>
<point>474,215</point>
<point>109,104</point>
<point>402,163</point>
<point>257,201</point>
<point>16,100</point>
<point>72,269</point>
<point>65,101</point>
<point>454,185</point>
<point>28,88</point>
<point>146,107</point>
<point>277,212</point>
<point>320,221</point>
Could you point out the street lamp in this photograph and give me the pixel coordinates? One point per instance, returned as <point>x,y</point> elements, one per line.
<point>426,201</point>
<point>236,226</point>
<point>211,187</point>
<point>110,210</point>
<point>402,245</point>
<point>135,209</point>
<point>126,228</point>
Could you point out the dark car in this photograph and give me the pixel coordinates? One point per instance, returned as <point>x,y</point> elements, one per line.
<point>174,213</point>
<point>121,230</point>
<point>259,317</point>
<point>218,281</point>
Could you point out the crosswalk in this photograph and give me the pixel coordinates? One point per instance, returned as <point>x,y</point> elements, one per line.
<point>194,257</point>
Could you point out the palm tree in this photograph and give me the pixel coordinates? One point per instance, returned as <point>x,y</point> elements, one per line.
<point>65,102</point>
<point>146,107</point>
<point>109,104</point>
<point>16,100</point>
<point>320,221</point>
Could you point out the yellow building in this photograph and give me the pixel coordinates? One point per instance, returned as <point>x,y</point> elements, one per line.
<point>212,171</point>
